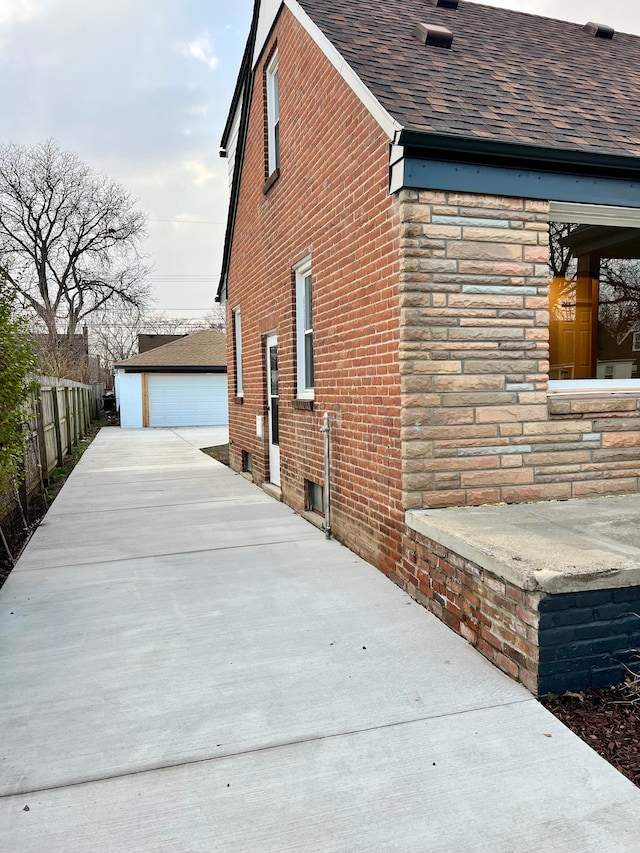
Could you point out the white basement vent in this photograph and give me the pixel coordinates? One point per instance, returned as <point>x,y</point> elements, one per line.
<point>600,31</point>
<point>433,36</point>
<point>444,4</point>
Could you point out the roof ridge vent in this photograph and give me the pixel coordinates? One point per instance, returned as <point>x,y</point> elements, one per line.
<point>433,35</point>
<point>444,4</point>
<point>600,31</point>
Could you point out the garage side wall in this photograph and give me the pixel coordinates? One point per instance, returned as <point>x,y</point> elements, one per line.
<point>129,389</point>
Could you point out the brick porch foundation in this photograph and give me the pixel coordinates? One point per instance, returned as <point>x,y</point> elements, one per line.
<point>551,641</point>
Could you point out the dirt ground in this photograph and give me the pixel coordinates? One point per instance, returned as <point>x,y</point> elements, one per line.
<point>220,452</point>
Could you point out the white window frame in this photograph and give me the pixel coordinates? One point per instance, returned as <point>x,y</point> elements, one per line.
<point>237,345</point>
<point>593,214</point>
<point>303,272</point>
<point>635,344</point>
<point>273,115</point>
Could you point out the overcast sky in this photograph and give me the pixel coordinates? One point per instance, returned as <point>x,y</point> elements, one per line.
<point>139,89</point>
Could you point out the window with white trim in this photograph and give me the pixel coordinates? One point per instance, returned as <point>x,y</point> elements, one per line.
<point>237,341</point>
<point>304,330</point>
<point>594,296</point>
<point>273,116</point>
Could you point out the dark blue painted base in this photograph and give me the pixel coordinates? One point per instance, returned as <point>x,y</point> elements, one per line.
<point>587,639</point>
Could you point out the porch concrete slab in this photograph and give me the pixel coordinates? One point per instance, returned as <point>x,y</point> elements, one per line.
<point>259,688</point>
<point>555,546</point>
<point>495,781</point>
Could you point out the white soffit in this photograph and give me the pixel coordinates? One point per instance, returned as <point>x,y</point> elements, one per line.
<point>268,13</point>
<point>594,214</point>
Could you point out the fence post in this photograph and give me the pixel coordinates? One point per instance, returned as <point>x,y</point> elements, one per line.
<point>42,445</point>
<point>57,425</point>
<point>67,410</point>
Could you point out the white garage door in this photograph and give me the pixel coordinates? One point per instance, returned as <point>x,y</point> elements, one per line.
<point>187,399</point>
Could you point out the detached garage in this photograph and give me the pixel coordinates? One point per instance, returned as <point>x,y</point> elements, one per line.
<point>183,383</point>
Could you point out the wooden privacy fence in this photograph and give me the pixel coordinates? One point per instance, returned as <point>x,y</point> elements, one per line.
<point>62,412</point>
<point>58,415</point>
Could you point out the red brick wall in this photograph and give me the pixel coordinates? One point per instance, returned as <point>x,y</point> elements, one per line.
<point>331,200</point>
<point>499,619</point>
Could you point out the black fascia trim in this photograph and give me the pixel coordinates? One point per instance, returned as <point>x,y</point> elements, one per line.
<point>184,369</point>
<point>237,92</point>
<point>507,180</point>
<point>244,88</point>
<point>517,155</point>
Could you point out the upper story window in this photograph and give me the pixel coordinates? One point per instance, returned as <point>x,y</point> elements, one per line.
<point>304,330</point>
<point>237,344</point>
<point>594,297</point>
<point>273,116</point>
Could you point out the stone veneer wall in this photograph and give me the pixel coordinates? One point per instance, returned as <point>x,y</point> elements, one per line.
<point>477,427</point>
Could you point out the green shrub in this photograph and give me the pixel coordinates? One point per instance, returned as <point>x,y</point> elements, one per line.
<point>16,363</point>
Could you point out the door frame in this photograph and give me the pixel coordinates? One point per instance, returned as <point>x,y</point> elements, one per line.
<point>271,341</point>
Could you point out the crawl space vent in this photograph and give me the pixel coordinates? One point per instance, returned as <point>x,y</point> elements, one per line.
<point>600,31</point>
<point>433,36</point>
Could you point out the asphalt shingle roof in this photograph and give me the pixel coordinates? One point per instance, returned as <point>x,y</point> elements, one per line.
<point>206,348</point>
<point>509,76</point>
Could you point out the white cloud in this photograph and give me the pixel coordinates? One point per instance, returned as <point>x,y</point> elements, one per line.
<point>202,174</point>
<point>15,11</point>
<point>201,49</point>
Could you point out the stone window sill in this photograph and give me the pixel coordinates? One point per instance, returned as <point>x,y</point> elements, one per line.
<point>273,177</point>
<point>303,405</point>
<point>577,404</point>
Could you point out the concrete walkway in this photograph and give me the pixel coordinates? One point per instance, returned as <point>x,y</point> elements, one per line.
<point>186,665</point>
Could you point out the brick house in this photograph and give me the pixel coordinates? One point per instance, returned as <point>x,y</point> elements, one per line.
<point>433,237</point>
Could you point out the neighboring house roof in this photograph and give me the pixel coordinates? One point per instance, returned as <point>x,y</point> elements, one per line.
<point>148,342</point>
<point>78,345</point>
<point>508,76</point>
<point>199,352</point>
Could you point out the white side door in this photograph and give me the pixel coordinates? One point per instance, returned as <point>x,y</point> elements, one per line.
<point>272,409</point>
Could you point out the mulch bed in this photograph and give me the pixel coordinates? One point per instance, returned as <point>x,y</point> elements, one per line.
<point>608,720</point>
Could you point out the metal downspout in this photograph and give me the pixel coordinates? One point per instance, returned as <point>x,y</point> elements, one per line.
<point>327,478</point>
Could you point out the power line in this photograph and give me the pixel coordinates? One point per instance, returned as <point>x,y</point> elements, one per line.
<point>189,221</point>
<point>183,279</point>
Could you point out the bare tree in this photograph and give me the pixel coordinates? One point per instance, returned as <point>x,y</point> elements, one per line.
<point>619,305</point>
<point>113,334</point>
<point>216,319</point>
<point>70,239</point>
<point>619,283</point>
